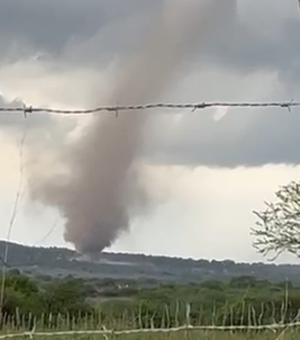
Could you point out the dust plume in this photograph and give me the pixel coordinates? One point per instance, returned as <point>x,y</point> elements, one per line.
<point>102,186</point>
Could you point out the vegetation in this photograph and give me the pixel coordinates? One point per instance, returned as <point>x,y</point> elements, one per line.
<point>278,226</point>
<point>216,296</point>
<point>147,270</point>
<point>89,304</point>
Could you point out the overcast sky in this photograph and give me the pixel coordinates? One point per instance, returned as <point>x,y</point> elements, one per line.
<point>208,170</point>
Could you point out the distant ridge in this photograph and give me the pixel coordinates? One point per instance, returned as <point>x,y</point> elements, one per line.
<point>60,262</point>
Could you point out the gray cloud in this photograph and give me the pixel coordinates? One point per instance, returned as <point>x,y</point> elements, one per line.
<point>271,138</point>
<point>43,132</point>
<point>247,51</point>
<point>96,30</point>
<point>12,120</point>
<point>59,29</point>
<point>93,32</point>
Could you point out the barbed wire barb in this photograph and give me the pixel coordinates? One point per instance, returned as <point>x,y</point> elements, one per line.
<point>26,110</point>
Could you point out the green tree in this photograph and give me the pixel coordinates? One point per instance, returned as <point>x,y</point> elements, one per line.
<point>65,297</point>
<point>22,293</point>
<point>277,229</point>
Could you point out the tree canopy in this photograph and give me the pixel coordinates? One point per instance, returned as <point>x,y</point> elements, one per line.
<point>277,229</point>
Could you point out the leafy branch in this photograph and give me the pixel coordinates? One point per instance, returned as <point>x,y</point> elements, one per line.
<point>277,229</point>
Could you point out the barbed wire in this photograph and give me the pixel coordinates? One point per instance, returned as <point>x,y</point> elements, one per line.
<point>105,332</point>
<point>138,107</point>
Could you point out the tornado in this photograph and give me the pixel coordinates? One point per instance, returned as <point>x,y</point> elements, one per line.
<point>101,186</point>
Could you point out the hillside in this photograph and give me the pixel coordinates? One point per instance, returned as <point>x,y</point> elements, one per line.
<point>61,262</point>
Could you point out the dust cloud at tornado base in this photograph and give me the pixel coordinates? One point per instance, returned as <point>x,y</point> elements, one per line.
<point>96,195</point>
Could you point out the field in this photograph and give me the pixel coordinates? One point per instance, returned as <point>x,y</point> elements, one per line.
<point>243,308</point>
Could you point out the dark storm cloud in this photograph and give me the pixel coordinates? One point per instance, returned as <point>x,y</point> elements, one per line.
<point>272,137</point>
<point>247,51</point>
<point>55,26</point>
<point>92,32</point>
<point>95,30</point>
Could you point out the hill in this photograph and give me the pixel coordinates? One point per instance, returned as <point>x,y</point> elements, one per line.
<point>61,262</point>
